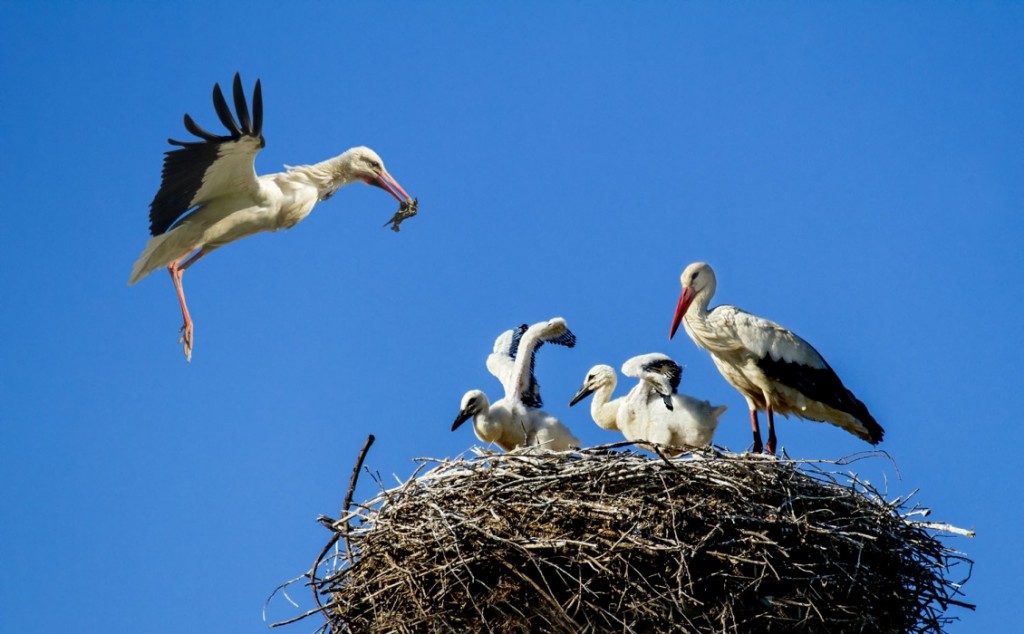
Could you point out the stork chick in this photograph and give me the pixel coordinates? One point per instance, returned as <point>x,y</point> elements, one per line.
<point>653,410</point>
<point>517,420</point>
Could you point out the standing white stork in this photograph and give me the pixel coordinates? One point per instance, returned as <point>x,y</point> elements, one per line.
<point>653,410</point>
<point>517,420</point>
<point>210,194</point>
<point>773,368</point>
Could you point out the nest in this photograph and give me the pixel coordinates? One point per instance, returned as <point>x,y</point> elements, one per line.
<point>599,540</point>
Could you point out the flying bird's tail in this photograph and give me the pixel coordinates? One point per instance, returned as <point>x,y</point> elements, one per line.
<point>160,251</point>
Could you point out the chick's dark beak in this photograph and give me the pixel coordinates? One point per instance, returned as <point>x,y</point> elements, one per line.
<point>583,393</point>
<point>461,418</point>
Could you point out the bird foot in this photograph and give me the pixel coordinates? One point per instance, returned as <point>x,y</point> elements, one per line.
<point>186,341</point>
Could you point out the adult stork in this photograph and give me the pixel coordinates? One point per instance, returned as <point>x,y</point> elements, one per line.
<point>773,368</point>
<point>653,410</point>
<point>210,194</point>
<point>517,420</point>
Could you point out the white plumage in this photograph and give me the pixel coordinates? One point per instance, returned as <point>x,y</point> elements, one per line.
<point>773,368</point>
<point>653,410</point>
<point>210,194</point>
<point>517,420</point>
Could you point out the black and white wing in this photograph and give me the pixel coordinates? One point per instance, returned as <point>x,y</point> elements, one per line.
<point>789,360</point>
<point>657,371</point>
<point>525,344</point>
<point>214,166</point>
<point>501,361</point>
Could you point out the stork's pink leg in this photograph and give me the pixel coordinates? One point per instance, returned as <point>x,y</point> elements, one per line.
<point>771,430</point>
<point>177,271</point>
<point>757,431</point>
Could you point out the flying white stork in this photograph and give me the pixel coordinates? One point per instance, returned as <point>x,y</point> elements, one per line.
<point>773,368</point>
<point>517,420</point>
<point>210,195</point>
<point>653,410</point>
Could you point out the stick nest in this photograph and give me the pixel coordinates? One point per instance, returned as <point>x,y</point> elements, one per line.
<point>599,540</point>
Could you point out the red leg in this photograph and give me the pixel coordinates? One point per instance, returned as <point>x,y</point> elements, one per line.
<point>192,260</point>
<point>757,431</point>
<point>177,271</point>
<point>771,430</point>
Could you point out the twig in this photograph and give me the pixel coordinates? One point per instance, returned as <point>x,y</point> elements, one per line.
<point>351,490</point>
<point>344,531</point>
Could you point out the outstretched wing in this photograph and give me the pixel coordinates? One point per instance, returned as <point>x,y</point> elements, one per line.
<point>501,362</point>
<point>214,166</point>
<point>524,385</point>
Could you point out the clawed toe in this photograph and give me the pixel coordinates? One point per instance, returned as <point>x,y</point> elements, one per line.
<point>186,341</point>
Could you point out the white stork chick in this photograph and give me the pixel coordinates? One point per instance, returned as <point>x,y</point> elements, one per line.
<point>773,368</point>
<point>653,410</point>
<point>517,420</point>
<point>210,194</point>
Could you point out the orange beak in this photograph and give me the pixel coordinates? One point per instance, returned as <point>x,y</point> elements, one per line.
<point>685,299</point>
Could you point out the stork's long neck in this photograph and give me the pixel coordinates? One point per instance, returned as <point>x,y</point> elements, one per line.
<point>487,423</point>
<point>487,429</point>
<point>696,319</point>
<point>327,176</point>
<point>605,413</point>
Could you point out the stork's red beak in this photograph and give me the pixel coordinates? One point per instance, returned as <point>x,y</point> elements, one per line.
<point>390,185</point>
<point>685,299</point>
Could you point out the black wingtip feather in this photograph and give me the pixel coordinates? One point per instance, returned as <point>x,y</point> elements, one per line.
<point>875,431</point>
<point>224,112</point>
<point>240,106</point>
<point>825,386</point>
<point>198,131</point>
<point>670,369</point>
<point>257,110</point>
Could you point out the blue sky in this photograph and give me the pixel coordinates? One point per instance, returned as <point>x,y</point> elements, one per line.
<point>854,173</point>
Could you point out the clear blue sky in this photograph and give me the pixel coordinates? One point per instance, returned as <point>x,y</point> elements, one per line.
<point>854,173</point>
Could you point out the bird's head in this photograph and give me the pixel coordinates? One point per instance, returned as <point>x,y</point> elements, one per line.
<point>599,376</point>
<point>696,278</point>
<point>473,402</point>
<point>364,164</point>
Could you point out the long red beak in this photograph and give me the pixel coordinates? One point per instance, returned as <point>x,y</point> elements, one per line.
<point>390,185</point>
<point>685,299</point>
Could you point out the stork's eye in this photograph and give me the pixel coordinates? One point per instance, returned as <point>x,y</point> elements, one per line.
<point>375,165</point>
